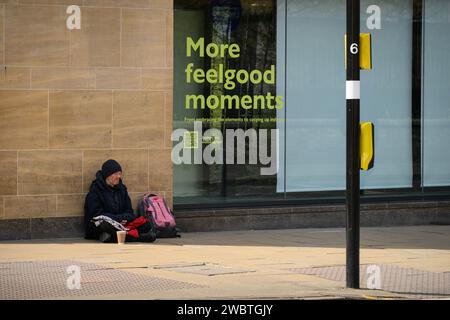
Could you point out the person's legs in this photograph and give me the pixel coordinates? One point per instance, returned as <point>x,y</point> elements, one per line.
<point>146,232</point>
<point>130,238</point>
<point>107,232</point>
<point>146,227</point>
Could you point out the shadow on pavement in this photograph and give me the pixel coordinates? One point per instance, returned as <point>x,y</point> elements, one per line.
<point>417,237</point>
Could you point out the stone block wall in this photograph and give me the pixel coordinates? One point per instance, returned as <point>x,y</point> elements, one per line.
<point>71,99</point>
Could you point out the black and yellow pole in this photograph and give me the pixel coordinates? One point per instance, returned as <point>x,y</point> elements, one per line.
<point>353,157</point>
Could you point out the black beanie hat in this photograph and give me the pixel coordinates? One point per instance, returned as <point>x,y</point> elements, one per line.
<point>109,167</point>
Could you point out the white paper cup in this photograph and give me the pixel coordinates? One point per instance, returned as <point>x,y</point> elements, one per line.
<point>121,235</point>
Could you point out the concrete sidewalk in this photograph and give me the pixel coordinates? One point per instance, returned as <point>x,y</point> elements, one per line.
<point>406,263</point>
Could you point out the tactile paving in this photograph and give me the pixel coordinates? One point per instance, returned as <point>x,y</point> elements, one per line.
<point>49,280</point>
<point>392,278</point>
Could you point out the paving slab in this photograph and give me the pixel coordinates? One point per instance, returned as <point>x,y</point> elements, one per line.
<point>413,263</point>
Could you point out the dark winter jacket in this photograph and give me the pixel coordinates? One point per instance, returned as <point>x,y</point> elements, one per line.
<point>102,199</point>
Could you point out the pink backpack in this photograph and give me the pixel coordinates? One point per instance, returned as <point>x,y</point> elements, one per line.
<point>154,208</point>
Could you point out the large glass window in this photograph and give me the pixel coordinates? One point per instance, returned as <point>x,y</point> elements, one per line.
<point>314,150</point>
<point>386,95</point>
<point>315,130</point>
<point>241,114</point>
<point>301,43</point>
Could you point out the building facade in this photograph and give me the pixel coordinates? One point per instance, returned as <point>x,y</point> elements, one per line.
<point>80,85</point>
<point>233,110</point>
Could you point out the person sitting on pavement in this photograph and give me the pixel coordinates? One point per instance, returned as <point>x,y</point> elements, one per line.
<point>108,209</point>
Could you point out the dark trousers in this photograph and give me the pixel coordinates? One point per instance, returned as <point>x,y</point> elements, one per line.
<point>93,231</point>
